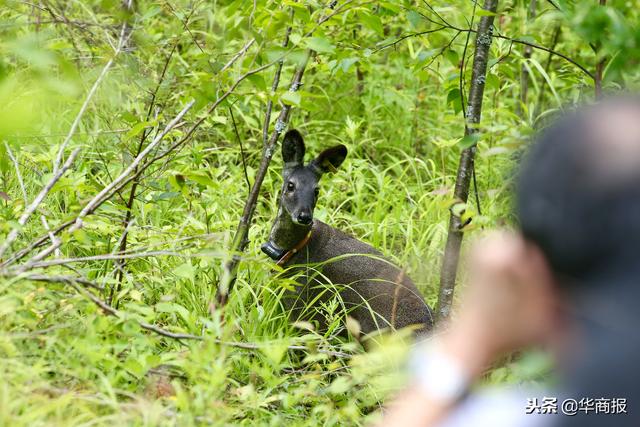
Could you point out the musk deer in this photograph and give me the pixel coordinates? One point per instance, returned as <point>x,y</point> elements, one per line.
<point>327,261</point>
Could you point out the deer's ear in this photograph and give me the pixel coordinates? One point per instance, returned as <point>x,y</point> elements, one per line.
<point>330,159</point>
<point>292,149</point>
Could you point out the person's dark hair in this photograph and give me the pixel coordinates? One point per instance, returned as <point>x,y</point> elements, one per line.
<point>578,192</point>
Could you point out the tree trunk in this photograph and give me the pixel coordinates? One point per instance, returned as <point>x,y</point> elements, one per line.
<point>466,164</point>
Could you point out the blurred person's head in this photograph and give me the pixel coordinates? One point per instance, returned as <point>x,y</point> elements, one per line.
<point>578,196</point>
<point>578,202</point>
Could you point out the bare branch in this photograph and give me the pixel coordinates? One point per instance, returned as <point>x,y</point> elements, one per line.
<point>18,174</point>
<point>499,36</point>
<point>184,336</point>
<point>13,234</point>
<point>237,55</point>
<point>274,88</point>
<point>105,257</point>
<point>122,245</point>
<point>406,36</point>
<point>87,100</point>
<point>99,198</point>
<point>551,51</point>
<point>52,237</point>
<point>143,167</point>
<point>230,267</point>
<point>62,279</point>
<point>35,244</point>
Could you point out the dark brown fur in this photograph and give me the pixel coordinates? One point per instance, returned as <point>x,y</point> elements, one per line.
<point>371,289</point>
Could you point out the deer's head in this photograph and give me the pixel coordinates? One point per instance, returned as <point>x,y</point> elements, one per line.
<point>300,190</point>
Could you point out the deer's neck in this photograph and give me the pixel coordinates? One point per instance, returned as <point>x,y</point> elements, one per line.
<point>285,234</point>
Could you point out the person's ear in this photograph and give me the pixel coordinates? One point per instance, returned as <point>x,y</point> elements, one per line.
<point>292,150</point>
<point>330,159</point>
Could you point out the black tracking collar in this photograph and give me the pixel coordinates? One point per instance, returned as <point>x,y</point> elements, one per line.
<point>272,251</point>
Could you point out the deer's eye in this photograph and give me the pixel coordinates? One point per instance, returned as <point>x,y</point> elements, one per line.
<point>316,192</point>
<point>290,186</point>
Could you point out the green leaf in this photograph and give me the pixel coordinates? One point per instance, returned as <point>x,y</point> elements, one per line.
<point>258,81</point>
<point>291,98</point>
<point>135,130</point>
<point>275,352</point>
<point>346,63</point>
<point>372,22</point>
<point>295,39</point>
<point>186,271</point>
<point>320,44</point>
<point>453,95</point>
<point>454,99</point>
<point>340,385</point>
<point>134,367</point>
<point>273,54</point>
<point>452,56</point>
<point>391,6</point>
<point>201,178</point>
<point>469,140</point>
<point>414,19</point>
<point>173,308</point>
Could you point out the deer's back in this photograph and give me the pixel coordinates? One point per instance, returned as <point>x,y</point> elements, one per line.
<point>374,291</point>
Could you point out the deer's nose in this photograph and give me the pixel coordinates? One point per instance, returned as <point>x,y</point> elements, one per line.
<point>305,218</point>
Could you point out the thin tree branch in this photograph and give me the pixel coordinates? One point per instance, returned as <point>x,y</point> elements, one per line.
<point>237,56</point>
<point>18,174</point>
<point>274,88</point>
<point>239,243</point>
<point>406,36</point>
<point>122,247</point>
<point>551,51</point>
<point>13,234</point>
<point>62,279</point>
<point>99,198</point>
<point>500,36</point>
<point>184,336</point>
<point>242,156</point>
<point>35,244</point>
<point>52,237</point>
<point>442,50</point>
<point>85,104</point>
<point>104,257</point>
<point>42,239</point>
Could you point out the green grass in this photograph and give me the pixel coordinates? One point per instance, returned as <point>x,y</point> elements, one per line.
<point>94,370</point>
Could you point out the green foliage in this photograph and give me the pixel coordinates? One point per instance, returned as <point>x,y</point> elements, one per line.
<point>395,101</point>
